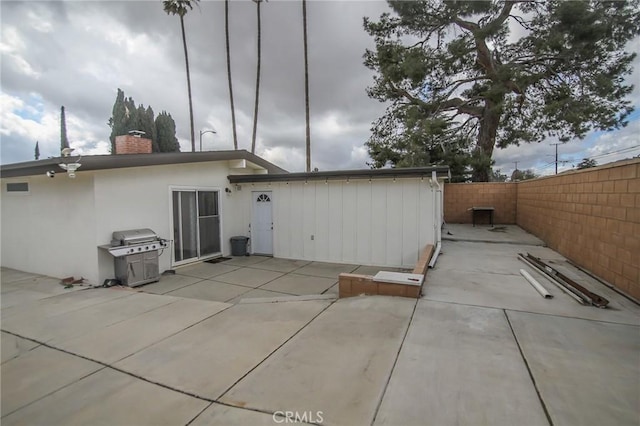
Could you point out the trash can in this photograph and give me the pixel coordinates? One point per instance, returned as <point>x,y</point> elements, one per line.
<point>239,246</point>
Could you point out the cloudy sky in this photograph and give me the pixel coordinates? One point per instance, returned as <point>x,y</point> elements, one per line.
<point>78,53</point>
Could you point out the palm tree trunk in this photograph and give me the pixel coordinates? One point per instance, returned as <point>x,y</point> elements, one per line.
<point>255,111</point>
<point>306,84</point>
<point>233,109</point>
<point>186,60</point>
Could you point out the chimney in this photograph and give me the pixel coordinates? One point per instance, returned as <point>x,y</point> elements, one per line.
<point>130,144</point>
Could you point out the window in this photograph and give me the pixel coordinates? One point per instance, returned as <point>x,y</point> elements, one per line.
<point>263,198</point>
<point>18,187</point>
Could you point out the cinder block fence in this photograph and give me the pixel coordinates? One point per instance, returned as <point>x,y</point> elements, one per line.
<point>590,216</point>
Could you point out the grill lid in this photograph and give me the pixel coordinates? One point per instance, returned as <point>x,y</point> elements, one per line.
<point>133,236</point>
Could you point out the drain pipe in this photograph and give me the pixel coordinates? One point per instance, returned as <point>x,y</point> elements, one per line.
<point>437,220</point>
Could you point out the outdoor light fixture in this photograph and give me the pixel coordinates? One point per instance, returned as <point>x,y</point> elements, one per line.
<point>69,167</point>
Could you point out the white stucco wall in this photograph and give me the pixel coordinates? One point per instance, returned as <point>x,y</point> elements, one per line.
<point>57,227</point>
<point>140,198</point>
<point>382,223</point>
<point>49,230</point>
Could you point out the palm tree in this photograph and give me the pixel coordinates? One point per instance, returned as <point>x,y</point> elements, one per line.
<point>233,109</point>
<point>255,111</point>
<point>306,84</point>
<point>179,7</point>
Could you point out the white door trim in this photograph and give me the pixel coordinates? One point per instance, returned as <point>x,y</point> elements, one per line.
<point>261,239</point>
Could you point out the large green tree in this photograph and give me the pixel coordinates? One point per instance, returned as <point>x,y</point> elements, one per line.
<point>180,8</point>
<point>127,117</point>
<point>496,73</point>
<point>166,131</point>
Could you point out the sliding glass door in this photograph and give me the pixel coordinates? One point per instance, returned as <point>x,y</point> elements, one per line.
<point>196,224</point>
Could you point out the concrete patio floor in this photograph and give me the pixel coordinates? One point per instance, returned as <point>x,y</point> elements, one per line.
<point>210,345</point>
<point>248,277</point>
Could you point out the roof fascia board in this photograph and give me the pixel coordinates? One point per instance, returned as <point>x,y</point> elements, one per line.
<point>105,162</point>
<point>421,172</point>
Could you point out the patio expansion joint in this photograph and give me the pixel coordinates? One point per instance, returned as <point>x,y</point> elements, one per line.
<point>526,363</point>
<point>106,365</point>
<point>532,312</point>
<point>395,361</point>
<point>514,242</point>
<point>270,355</point>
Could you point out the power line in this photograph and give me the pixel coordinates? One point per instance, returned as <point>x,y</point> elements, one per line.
<point>623,150</point>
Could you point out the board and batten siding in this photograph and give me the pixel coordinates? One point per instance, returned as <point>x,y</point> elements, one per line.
<point>383,222</point>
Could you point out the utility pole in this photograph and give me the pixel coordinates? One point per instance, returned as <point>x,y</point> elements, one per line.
<point>556,144</point>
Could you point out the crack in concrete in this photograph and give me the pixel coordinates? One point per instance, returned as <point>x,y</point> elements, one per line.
<point>526,363</point>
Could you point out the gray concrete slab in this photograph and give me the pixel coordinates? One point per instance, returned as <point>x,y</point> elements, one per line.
<point>280,265</point>
<point>515,293</point>
<point>67,325</point>
<point>588,372</point>
<point>205,270</point>
<point>326,270</point>
<point>246,260</point>
<point>8,275</point>
<point>36,373</point>
<point>506,264</point>
<point>249,277</point>
<point>300,284</point>
<point>12,346</point>
<point>67,302</point>
<point>117,341</point>
<point>211,290</point>
<point>30,289</point>
<point>258,293</point>
<point>460,365</point>
<point>169,283</point>
<point>469,249</point>
<point>332,290</point>
<point>109,398</point>
<point>284,299</point>
<point>218,414</point>
<point>506,234</point>
<point>211,356</point>
<point>338,365</point>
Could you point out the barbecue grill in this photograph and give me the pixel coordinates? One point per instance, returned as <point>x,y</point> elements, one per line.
<point>136,253</point>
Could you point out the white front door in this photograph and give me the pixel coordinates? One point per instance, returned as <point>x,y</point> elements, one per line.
<point>262,223</point>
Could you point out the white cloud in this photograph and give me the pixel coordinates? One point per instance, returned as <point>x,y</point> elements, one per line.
<point>77,54</point>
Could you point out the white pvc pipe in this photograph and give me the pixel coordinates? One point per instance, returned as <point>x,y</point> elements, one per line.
<point>437,209</point>
<point>554,281</point>
<point>539,288</point>
<point>434,257</point>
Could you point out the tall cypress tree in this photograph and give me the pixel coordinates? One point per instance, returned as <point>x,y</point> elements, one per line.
<point>117,122</point>
<point>37,153</point>
<point>166,128</point>
<point>64,142</point>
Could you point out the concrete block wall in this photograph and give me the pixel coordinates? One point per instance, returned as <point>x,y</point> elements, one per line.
<point>590,216</point>
<point>459,197</point>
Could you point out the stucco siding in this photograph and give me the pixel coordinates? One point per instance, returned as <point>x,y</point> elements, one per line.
<point>48,230</point>
<point>141,198</point>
